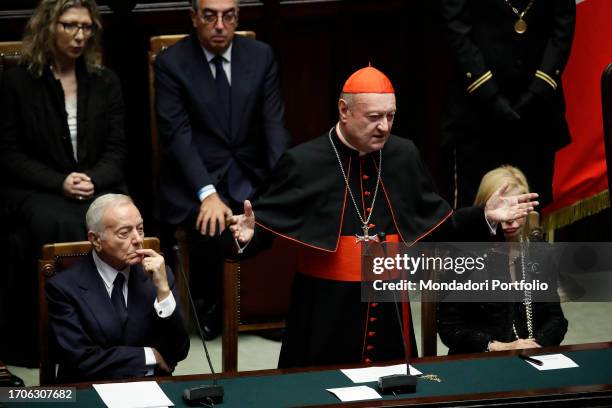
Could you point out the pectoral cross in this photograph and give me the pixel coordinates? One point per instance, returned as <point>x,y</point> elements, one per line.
<point>366,237</point>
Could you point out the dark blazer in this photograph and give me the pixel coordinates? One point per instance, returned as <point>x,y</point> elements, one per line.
<point>35,149</point>
<point>91,342</point>
<point>468,327</point>
<point>482,38</point>
<point>197,149</point>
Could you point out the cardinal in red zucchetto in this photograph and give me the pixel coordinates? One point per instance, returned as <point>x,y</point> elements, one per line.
<point>355,184</point>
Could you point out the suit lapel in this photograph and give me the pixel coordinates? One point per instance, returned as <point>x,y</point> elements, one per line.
<point>83,92</point>
<point>55,112</point>
<point>98,301</point>
<point>242,72</point>
<point>205,87</point>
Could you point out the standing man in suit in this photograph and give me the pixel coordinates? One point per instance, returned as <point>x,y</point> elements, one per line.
<point>506,89</point>
<point>220,117</point>
<point>114,315</point>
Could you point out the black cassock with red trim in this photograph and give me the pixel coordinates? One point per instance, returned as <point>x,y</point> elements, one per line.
<point>306,200</point>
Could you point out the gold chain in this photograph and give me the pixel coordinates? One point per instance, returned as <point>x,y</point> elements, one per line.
<point>520,14</point>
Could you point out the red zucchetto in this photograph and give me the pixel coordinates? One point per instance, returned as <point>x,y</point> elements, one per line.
<point>368,80</point>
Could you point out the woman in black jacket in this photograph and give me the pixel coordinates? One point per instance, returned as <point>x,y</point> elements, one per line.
<point>475,327</point>
<point>61,134</point>
<point>61,127</point>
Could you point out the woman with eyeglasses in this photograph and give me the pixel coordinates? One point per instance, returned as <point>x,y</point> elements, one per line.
<point>472,327</point>
<point>61,129</point>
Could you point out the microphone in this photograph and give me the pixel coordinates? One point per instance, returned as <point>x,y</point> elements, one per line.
<point>202,394</point>
<point>535,229</point>
<point>397,383</point>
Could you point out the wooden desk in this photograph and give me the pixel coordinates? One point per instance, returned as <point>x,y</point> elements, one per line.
<point>487,379</point>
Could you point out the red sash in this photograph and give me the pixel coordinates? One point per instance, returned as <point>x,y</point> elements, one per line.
<point>343,265</point>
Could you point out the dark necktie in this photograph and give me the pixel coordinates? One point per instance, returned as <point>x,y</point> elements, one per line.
<point>118,300</point>
<point>223,87</point>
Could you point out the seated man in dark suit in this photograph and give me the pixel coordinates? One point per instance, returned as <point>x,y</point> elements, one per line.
<point>114,315</point>
<point>220,117</point>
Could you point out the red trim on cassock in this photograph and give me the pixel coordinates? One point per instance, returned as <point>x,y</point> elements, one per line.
<point>339,228</point>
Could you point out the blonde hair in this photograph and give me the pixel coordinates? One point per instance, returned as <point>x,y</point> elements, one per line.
<point>38,46</point>
<point>496,178</point>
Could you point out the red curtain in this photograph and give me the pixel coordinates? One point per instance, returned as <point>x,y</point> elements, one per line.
<point>580,181</point>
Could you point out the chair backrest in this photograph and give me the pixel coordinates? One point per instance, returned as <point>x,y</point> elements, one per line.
<point>157,45</point>
<point>10,52</point>
<point>429,314</point>
<point>56,258</point>
<point>256,294</point>
<point>606,104</point>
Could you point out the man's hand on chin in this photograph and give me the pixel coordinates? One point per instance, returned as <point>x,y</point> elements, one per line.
<point>155,267</point>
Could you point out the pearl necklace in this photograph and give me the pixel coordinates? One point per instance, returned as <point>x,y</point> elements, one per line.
<point>527,299</point>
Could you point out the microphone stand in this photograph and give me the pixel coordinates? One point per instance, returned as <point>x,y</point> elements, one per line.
<point>202,395</point>
<point>397,383</point>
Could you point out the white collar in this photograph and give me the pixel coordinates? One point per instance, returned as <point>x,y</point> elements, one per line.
<point>107,272</point>
<point>346,142</point>
<point>227,55</point>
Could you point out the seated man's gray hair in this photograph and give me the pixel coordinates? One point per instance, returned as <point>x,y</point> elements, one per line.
<point>98,208</point>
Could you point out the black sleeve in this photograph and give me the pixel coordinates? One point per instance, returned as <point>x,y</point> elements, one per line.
<point>454,330</point>
<point>175,125</point>
<point>467,224</point>
<point>479,80</point>
<point>173,340</point>
<point>21,167</point>
<point>552,324</point>
<point>557,49</point>
<point>549,322</point>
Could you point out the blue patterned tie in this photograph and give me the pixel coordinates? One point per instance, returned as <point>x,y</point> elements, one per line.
<point>118,300</point>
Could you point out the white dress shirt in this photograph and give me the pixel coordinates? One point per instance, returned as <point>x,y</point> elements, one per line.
<point>163,309</point>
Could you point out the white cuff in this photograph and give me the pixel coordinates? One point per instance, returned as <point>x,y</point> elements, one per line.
<point>166,307</point>
<point>206,191</point>
<point>150,360</point>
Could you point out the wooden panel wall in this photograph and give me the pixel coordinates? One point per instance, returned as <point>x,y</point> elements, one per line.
<point>318,43</point>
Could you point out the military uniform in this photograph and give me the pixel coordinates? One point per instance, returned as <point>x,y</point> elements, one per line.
<point>506,103</point>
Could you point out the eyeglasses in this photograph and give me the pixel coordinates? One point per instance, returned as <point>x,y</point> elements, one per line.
<point>228,17</point>
<point>73,28</point>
